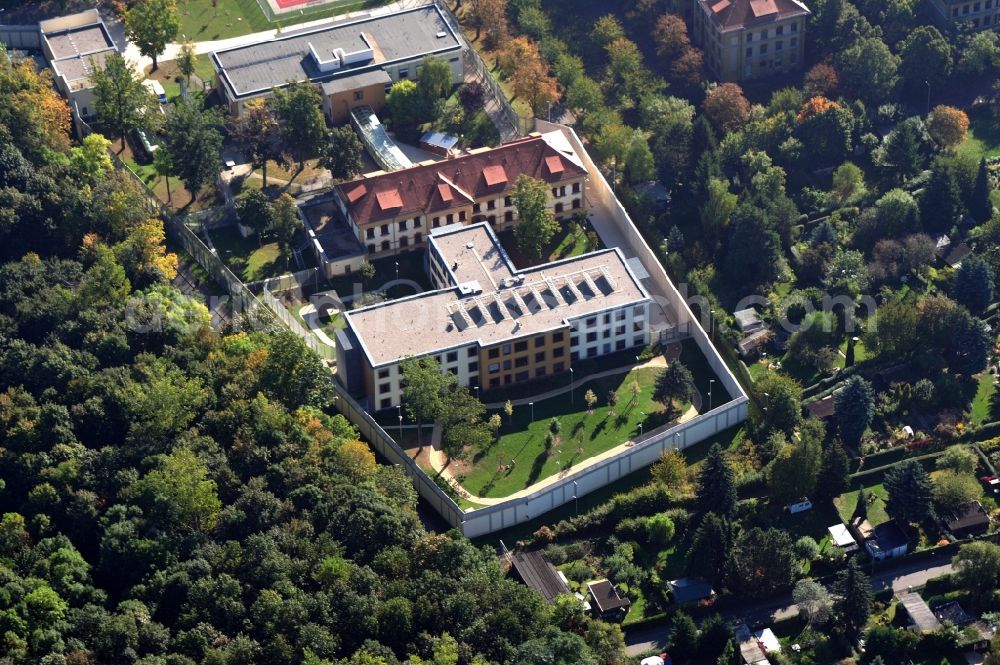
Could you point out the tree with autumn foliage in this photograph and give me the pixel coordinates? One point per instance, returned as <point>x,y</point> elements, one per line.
<point>491,16</point>
<point>686,68</point>
<point>948,126</point>
<point>670,36</point>
<point>821,80</point>
<point>726,106</point>
<point>528,74</point>
<point>258,134</point>
<point>31,108</point>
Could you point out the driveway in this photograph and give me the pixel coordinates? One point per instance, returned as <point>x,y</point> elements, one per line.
<point>902,578</point>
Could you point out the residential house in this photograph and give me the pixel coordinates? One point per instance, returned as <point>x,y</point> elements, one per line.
<point>690,590</point>
<point>977,14</point>
<point>606,602</point>
<point>354,62</point>
<point>73,46</point>
<point>969,519</point>
<point>394,212</point>
<point>750,39</point>
<point>886,541</point>
<point>533,570</point>
<point>491,324</point>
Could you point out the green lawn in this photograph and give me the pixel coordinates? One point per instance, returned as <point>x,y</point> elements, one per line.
<point>168,75</point>
<point>569,242</point>
<point>231,18</point>
<point>984,406</point>
<point>847,502</point>
<point>983,139</point>
<point>249,260</point>
<point>523,440</point>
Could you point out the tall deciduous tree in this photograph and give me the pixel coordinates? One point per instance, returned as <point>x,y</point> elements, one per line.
<point>299,107</point>
<point>911,493</point>
<point>286,224</point>
<point>405,109</point>
<point>490,15</point>
<point>186,60</point>
<point>717,485</point>
<point>779,398</point>
<point>151,25</point>
<point>793,473</point>
<point>925,59</point>
<point>977,569</point>
<point>257,133</point>
<point>536,225</point>
<point>948,126</point>
<point>726,106</point>
<point>182,488</point>
<point>869,69</point>
<point>195,143</point>
<point>255,212</point>
<point>121,100</point>
<point>423,390</point>
<point>343,153</point>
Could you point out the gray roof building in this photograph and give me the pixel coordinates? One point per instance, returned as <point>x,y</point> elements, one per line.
<point>336,51</point>
<point>535,571</point>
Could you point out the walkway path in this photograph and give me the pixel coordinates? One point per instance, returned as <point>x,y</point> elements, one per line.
<point>311,317</point>
<point>439,461</point>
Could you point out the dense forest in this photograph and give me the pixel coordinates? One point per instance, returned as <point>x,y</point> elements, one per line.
<point>171,494</point>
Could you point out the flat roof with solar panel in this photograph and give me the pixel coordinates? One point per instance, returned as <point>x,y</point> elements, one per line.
<point>489,301</point>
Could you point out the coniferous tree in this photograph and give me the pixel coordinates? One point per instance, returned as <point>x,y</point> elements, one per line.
<point>853,409</point>
<point>708,557</point>
<point>974,284</point>
<point>855,599</point>
<point>911,493</point>
<point>941,202</point>
<point>981,206</point>
<point>834,472</point>
<point>683,637</point>
<point>717,485</point>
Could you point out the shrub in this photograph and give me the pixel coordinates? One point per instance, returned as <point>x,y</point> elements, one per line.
<point>660,529</point>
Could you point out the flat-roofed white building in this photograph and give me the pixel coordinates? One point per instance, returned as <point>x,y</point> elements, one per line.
<point>73,45</point>
<point>354,61</point>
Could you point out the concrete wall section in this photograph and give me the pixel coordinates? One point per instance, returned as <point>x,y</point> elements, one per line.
<point>21,37</point>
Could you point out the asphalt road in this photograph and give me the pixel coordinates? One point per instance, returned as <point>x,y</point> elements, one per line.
<point>902,578</point>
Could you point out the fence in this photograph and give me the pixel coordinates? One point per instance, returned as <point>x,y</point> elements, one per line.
<point>509,124</point>
<point>586,479</point>
<point>291,280</point>
<point>390,450</point>
<point>286,317</point>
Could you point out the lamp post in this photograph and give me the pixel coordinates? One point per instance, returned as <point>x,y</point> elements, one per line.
<point>711,324</point>
<point>399,414</point>
<point>532,405</point>
<point>710,382</point>
<point>571,386</point>
<point>576,499</point>
<point>476,388</point>
<point>397,271</point>
<point>641,415</point>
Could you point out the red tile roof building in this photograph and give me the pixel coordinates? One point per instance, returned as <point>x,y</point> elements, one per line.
<point>395,212</point>
<point>748,39</point>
